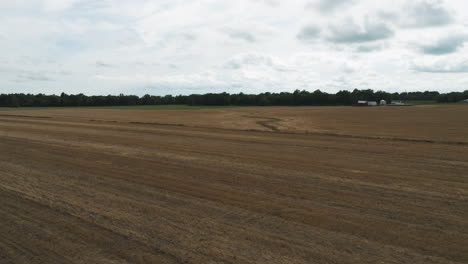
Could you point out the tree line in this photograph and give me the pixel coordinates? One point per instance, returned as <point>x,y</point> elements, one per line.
<point>220,99</point>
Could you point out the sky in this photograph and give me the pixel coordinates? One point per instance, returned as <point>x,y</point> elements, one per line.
<point>158,47</point>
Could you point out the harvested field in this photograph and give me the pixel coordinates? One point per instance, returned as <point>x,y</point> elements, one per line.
<point>240,185</point>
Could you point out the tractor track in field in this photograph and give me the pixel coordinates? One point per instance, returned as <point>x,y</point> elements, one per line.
<point>268,123</point>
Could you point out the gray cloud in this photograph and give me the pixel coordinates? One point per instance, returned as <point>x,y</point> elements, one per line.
<point>349,32</point>
<point>28,76</point>
<point>242,35</point>
<point>444,45</point>
<point>248,59</point>
<point>427,13</point>
<point>103,64</point>
<point>65,73</point>
<point>328,5</point>
<point>388,16</point>
<point>369,48</point>
<point>189,36</point>
<point>308,33</point>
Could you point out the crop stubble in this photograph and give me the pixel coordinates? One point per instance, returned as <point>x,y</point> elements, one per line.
<point>244,185</point>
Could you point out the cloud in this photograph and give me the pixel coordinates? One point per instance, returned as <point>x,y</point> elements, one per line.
<point>445,65</point>
<point>242,35</point>
<point>28,76</point>
<point>349,67</point>
<point>308,33</point>
<point>254,60</point>
<point>57,5</point>
<point>252,45</point>
<point>248,30</point>
<point>426,13</point>
<point>369,47</point>
<point>328,5</point>
<point>103,64</point>
<point>272,3</point>
<point>202,79</point>
<point>350,32</point>
<point>388,16</point>
<point>445,45</point>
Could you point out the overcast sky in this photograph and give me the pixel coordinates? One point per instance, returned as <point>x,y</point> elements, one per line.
<point>198,46</point>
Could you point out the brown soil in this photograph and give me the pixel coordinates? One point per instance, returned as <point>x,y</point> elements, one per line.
<point>246,185</point>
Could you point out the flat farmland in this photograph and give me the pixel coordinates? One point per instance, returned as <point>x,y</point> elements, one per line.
<point>234,185</point>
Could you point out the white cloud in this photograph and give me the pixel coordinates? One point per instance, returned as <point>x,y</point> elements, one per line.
<point>57,5</point>
<point>255,60</point>
<point>444,65</point>
<point>191,46</point>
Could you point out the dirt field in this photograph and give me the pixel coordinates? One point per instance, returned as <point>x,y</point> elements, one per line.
<point>240,185</point>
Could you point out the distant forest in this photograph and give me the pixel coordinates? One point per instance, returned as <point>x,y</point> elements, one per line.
<point>264,99</point>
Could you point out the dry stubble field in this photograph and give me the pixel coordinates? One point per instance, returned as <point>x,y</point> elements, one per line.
<point>241,185</point>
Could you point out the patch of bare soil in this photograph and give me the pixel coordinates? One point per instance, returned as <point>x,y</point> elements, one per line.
<point>123,186</point>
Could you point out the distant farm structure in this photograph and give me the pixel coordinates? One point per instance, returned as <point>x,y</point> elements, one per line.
<point>383,103</point>
<point>370,103</point>
<point>398,103</point>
